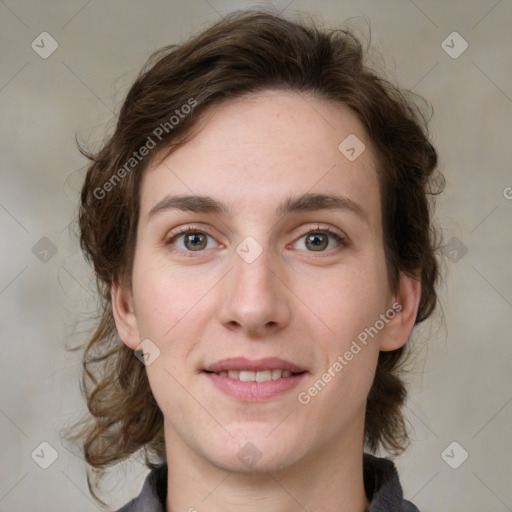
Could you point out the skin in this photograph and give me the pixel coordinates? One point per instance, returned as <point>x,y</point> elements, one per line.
<point>293,302</point>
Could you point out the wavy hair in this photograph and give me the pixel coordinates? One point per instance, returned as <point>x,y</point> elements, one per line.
<point>245,52</point>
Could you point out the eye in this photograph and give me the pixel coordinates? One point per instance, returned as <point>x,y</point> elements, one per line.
<point>318,240</point>
<point>194,240</point>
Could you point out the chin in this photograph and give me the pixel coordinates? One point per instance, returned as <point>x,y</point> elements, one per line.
<point>258,467</point>
<point>259,455</point>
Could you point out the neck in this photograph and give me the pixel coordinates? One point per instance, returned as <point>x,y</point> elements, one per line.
<point>331,480</point>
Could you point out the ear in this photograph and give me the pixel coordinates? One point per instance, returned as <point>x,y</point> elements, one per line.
<point>124,314</point>
<point>405,307</point>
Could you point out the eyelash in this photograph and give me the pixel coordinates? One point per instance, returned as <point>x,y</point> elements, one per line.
<point>191,229</point>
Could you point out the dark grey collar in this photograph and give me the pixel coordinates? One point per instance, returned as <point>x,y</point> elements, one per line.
<point>382,486</point>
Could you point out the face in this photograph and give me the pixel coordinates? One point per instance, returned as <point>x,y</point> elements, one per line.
<point>263,274</point>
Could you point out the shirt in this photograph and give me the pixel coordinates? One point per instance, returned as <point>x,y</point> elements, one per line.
<point>381,484</point>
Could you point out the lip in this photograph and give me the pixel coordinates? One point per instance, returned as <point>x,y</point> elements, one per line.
<point>254,391</point>
<point>242,363</point>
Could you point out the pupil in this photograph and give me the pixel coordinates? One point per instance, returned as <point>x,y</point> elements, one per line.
<point>195,240</point>
<point>316,240</point>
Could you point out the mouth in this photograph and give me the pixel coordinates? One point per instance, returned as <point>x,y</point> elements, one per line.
<point>257,376</point>
<point>263,366</point>
<point>253,381</point>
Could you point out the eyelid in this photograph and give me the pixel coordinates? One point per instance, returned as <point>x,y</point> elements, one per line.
<point>342,240</point>
<point>327,228</point>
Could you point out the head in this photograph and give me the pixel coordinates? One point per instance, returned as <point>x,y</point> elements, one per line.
<point>253,113</point>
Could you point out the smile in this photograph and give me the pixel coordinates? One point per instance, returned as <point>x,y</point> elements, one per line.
<point>259,376</point>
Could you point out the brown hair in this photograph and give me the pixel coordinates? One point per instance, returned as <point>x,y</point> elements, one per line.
<point>245,52</point>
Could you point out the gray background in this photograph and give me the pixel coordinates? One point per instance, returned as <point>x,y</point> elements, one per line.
<point>460,386</point>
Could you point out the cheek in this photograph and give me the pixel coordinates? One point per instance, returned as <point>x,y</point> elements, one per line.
<point>165,297</point>
<point>170,312</point>
<point>350,299</point>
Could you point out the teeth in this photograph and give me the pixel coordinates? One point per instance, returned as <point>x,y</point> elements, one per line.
<point>245,376</point>
<point>276,374</point>
<point>261,376</point>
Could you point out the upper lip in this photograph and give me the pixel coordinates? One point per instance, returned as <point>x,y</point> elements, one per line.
<point>242,363</point>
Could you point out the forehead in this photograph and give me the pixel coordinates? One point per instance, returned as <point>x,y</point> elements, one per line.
<point>253,151</point>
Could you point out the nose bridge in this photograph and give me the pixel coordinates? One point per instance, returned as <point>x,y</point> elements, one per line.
<point>253,296</point>
<point>253,273</point>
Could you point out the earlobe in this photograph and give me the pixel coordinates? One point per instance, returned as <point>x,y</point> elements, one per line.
<point>406,305</point>
<point>124,314</point>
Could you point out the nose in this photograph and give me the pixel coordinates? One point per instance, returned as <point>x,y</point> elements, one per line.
<point>255,296</point>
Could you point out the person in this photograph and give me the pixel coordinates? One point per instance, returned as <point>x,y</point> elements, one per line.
<point>260,226</point>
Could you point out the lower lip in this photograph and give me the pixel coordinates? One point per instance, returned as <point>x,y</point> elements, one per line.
<point>254,391</point>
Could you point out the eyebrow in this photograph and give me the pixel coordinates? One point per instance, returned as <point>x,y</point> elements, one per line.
<point>308,202</point>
